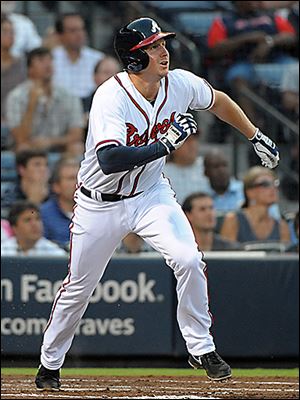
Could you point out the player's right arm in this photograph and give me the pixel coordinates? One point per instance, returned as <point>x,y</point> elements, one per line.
<point>113,159</point>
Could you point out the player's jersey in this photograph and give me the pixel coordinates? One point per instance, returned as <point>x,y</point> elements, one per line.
<point>120,115</point>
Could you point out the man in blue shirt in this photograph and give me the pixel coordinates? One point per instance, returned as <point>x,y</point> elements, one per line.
<point>226,191</point>
<point>57,211</point>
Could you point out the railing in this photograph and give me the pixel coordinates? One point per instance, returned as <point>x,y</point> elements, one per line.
<point>265,106</point>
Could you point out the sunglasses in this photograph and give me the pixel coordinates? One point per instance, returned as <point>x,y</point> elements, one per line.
<point>266,184</point>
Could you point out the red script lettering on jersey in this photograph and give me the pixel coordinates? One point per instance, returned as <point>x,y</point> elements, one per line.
<point>135,139</point>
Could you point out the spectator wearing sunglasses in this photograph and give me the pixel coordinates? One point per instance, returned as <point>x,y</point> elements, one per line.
<point>253,223</point>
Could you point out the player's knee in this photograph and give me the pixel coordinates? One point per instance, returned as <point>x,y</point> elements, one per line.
<point>187,259</point>
<point>79,295</point>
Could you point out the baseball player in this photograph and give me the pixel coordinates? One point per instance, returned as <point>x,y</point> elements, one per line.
<point>137,118</point>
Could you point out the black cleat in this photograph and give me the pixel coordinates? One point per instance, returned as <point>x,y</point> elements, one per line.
<point>216,368</point>
<point>47,379</point>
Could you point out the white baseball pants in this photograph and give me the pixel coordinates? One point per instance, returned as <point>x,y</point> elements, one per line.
<point>97,230</point>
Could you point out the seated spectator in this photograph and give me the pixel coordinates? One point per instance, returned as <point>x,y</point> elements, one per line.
<point>26,35</point>
<point>253,222</point>
<point>6,231</point>
<point>290,91</point>
<point>201,214</point>
<point>13,69</point>
<point>40,114</point>
<point>185,169</point>
<point>57,212</point>
<point>225,190</point>
<point>25,220</point>
<point>104,69</point>
<point>247,36</point>
<point>294,248</point>
<point>74,62</point>
<point>33,177</point>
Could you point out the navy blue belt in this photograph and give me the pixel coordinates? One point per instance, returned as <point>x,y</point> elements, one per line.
<point>106,197</point>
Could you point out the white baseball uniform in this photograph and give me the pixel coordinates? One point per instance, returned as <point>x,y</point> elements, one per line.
<point>121,115</point>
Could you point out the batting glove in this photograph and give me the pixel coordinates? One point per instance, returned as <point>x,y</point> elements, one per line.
<point>180,129</point>
<point>266,149</point>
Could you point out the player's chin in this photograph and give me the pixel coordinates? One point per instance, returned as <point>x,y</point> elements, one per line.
<point>163,71</point>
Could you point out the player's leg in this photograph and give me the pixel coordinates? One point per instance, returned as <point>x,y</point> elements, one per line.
<point>94,237</point>
<point>163,224</point>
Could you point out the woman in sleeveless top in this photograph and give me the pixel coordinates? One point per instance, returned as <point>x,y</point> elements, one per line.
<point>253,223</point>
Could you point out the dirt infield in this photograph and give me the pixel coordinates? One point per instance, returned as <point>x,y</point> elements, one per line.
<point>162,387</point>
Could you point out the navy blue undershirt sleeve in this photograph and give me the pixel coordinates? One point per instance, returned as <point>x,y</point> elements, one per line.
<point>114,159</point>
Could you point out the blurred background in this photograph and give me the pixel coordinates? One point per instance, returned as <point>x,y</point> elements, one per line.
<point>54,55</point>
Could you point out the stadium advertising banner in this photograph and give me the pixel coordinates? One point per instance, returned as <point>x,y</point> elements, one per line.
<point>130,311</point>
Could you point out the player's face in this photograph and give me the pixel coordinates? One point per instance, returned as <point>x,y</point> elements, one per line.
<point>158,58</point>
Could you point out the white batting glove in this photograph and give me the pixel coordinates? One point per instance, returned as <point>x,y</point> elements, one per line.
<point>180,129</point>
<point>266,149</point>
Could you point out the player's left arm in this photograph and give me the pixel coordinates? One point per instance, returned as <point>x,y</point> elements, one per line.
<point>230,112</point>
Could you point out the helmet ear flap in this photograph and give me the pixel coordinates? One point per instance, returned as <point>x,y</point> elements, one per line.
<point>133,61</point>
<point>137,61</point>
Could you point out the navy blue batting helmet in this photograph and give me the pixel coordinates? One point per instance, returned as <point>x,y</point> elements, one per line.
<point>132,38</point>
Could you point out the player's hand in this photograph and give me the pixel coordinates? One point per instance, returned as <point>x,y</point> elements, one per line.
<point>266,149</point>
<point>180,129</point>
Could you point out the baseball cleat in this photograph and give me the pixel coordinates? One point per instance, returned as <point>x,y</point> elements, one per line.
<point>216,368</point>
<point>47,379</point>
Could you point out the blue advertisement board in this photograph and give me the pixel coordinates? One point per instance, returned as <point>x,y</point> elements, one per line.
<point>130,311</point>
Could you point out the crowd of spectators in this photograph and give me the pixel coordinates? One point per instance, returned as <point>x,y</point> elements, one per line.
<point>247,36</point>
<point>47,87</point>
